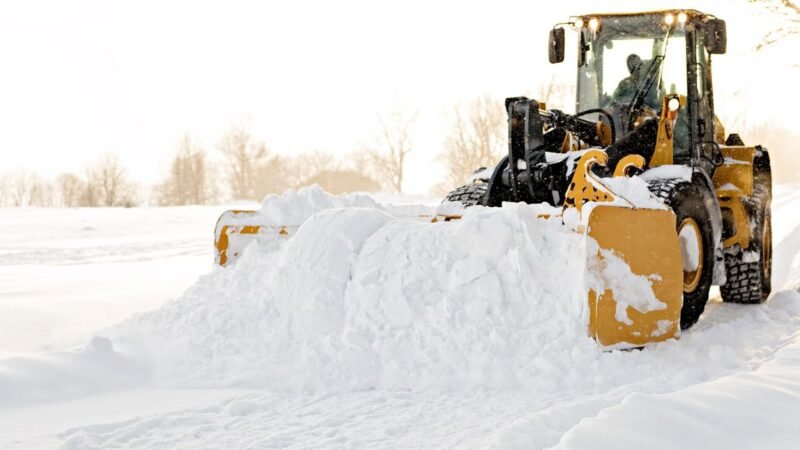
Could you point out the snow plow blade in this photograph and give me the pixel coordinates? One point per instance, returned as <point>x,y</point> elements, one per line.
<point>647,241</point>
<point>236,229</point>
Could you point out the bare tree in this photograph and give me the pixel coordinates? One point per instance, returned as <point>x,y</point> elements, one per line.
<point>476,139</point>
<point>106,184</point>
<point>70,187</point>
<point>90,194</point>
<point>22,186</point>
<point>552,92</point>
<point>245,158</point>
<point>307,166</point>
<point>394,144</point>
<point>42,194</point>
<point>190,182</point>
<point>788,13</point>
<point>112,181</point>
<point>273,176</point>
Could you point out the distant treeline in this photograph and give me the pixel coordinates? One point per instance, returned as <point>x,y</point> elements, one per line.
<point>242,167</point>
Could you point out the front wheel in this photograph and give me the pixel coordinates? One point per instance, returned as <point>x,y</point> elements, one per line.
<point>468,195</point>
<point>696,238</point>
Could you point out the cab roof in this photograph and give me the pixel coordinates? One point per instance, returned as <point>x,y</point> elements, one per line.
<point>689,12</point>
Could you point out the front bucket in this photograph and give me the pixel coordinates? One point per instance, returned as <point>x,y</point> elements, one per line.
<point>647,241</point>
<point>237,228</point>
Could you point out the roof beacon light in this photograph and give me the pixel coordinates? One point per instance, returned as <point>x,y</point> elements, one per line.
<point>579,23</point>
<point>682,17</point>
<point>669,19</point>
<point>594,24</point>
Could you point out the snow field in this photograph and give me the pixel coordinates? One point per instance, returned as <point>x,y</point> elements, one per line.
<point>66,273</point>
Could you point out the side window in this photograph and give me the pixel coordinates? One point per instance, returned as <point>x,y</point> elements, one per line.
<point>674,69</point>
<point>675,81</point>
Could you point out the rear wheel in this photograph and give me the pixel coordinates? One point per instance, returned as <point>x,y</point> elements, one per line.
<point>695,234</point>
<point>749,272</point>
<point>469,194</point>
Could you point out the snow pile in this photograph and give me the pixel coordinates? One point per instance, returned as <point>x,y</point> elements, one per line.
<point>633,192</point>
<point>668,171</point>
<point>359,299</point>
<point>295,207</point>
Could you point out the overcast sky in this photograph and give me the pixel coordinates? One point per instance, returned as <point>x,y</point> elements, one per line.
<point>83,78</point>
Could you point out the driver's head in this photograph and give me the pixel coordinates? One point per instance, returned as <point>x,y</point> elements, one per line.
<point>634,62</point>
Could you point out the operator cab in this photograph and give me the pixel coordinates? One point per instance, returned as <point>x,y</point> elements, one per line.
<point>627,63</point>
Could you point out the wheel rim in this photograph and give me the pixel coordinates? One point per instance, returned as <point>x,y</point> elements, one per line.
<point>691,242</point>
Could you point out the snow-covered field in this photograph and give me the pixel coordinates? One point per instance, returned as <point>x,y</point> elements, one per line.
<point>364,331</point>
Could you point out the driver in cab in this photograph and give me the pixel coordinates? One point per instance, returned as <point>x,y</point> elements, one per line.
<point>629,85</point>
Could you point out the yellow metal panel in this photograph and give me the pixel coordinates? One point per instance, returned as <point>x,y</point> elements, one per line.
<point>585,187</point>
<point>235,229</point>
<point>664,150</point>
<point>648,241</point>
<point>734,178</point>
<point>664,143</point>
<point>603,131</point>
<point>741,222</point>
<point>627,164</point>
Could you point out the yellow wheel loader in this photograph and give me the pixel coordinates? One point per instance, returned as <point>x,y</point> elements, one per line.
<point>645,109</point>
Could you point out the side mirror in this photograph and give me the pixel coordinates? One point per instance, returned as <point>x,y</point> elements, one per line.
<point>716,38</point>
<point>555,46</point>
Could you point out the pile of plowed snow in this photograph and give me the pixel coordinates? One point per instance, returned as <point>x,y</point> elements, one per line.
<point>360,298</point>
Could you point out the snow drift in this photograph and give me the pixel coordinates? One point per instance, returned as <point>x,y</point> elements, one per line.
<point>359,298</point>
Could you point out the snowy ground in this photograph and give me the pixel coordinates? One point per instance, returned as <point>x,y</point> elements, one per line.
<point>69,272</point>
<point>369,340</point>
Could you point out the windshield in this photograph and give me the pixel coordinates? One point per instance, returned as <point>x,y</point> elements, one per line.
<point>625,56</point>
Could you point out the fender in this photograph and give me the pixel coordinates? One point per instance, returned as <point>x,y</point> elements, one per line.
<point>762,167</point>
<point>495,191</point>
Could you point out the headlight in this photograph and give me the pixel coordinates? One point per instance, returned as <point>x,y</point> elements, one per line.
<point>673,104</point>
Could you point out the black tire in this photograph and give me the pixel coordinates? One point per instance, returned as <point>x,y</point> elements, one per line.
<point>749,272</point>
<point>468,195</point>
<point>686,201</point>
